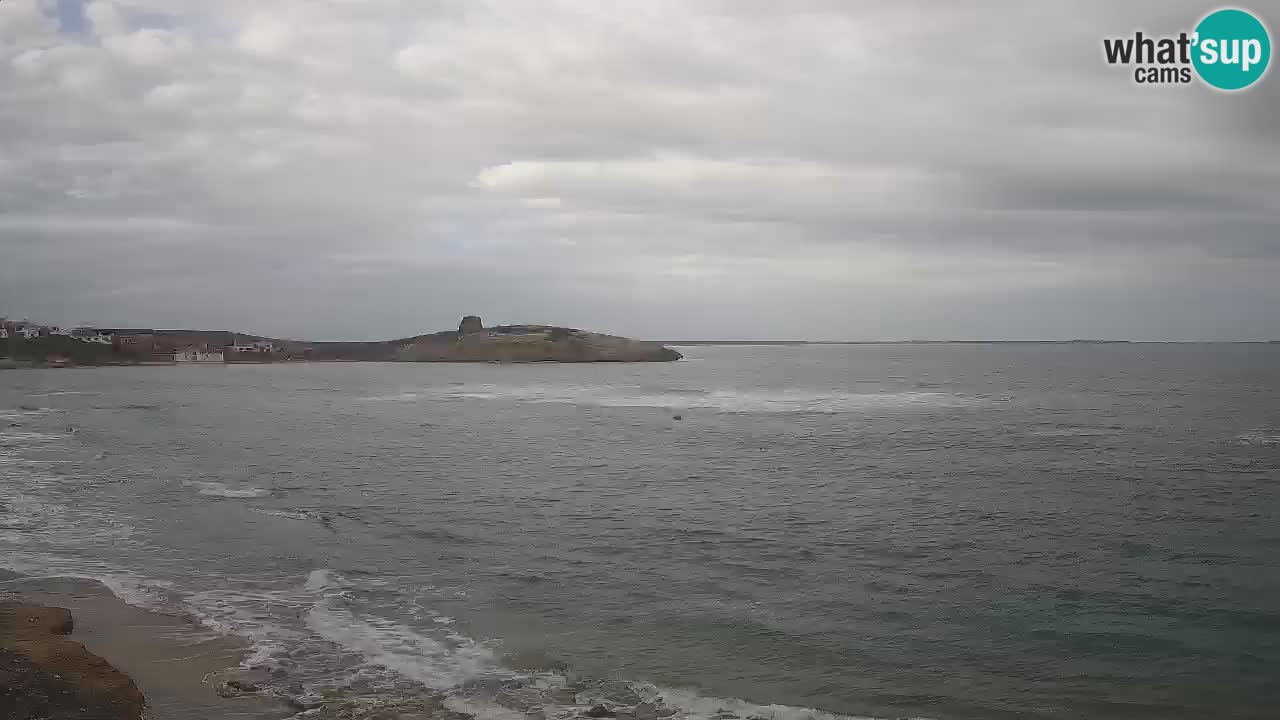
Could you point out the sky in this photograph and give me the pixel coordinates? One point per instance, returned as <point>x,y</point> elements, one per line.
<point>666,169</point>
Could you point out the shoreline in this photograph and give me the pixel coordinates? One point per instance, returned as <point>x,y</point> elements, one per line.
<point>181,668</point>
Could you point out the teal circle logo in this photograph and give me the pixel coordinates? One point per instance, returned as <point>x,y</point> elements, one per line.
<point>1232,49</point>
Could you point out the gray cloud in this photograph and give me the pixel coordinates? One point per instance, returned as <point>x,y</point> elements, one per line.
<point>818,169</point>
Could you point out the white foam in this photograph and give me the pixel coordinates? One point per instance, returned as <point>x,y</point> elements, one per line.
<point>286,514</point>
<point>722,401</point>
<point>317,580</point>
<point>395,397</point>
<point>432,662</point>
<point>690,704</point>
<point>18,438</point>
<point>1259,437</point>
<point>482,710</point>
<point>217,489</point>
<point>1073,432</point>
<point>22,413</point>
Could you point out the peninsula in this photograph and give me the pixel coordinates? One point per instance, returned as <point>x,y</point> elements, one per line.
<point>529,343</point>
<point>30,344</point>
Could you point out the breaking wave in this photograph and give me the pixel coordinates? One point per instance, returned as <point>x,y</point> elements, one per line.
<point>1259,437</point>
<point>719,401</point>
<point>217,489</point>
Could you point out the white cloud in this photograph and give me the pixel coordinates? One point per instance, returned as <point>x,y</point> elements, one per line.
<point>106,18</point>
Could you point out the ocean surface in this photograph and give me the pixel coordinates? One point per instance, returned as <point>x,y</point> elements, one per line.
<point>937,531</point>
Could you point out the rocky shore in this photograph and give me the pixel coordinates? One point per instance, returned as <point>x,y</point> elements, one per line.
<point>71,649</point>
<point>127,663</point>
<point>45,675</point>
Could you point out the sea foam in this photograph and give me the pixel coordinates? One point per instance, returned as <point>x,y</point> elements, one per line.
<point>217,489</point>
<point>718,401</point>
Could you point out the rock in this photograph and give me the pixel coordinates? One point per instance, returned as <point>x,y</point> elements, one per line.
<point>677,417</point>
<point>565,695</point>
<point>666,711</point>
<point>600,711</point>
<point>618,692</point>
<point>45,675</point>
<point>470,325</point>
<point>645,711</point>
<point>236,688</point>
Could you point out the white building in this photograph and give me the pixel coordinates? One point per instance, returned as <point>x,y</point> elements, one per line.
<point>4,333</point>
<point>29,332</point>
<point>90,335</point>
<point>195,355</point>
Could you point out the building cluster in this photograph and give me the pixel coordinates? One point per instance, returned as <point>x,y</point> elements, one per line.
<point>179,346</point>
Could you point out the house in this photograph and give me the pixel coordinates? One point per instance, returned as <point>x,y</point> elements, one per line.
<point>172,341</point>
<point>29,332</point>
<point>134,341</point>
<point>193,354</point>
<point>253,346</point>
<point>4,332</point>
<point>89,335</point>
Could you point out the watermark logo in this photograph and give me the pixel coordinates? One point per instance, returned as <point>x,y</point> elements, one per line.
<point>1229,49</point>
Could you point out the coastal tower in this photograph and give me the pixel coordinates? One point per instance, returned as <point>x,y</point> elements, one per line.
<point>470,324</point>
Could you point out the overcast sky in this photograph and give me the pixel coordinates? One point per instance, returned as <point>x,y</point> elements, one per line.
<point>827,169</point>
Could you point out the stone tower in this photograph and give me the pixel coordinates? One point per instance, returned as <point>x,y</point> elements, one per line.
<point>470,324</point>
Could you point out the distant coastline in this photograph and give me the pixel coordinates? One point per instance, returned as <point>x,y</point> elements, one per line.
<point>26,344</point>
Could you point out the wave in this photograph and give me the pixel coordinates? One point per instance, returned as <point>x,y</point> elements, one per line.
<point>217,489</point>
<point>476,682</point>
<point>1074,432</point>
<point>395,397</point>
<point>440,663</point>
<point>343,652</point>
<point>23,412</point>
<point>22,438</point>
<point>1259,437</point>
<point>718,401</point>
<point>287,514</point>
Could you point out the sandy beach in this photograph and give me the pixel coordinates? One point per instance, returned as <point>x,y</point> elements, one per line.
<point>177,665</point>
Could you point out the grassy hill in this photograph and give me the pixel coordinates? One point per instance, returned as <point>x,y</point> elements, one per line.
<point>35,351</point>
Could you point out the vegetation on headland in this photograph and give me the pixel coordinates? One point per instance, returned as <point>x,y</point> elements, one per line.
<point>36,352</point>
<point>471,342</point>
<point>529,343</point>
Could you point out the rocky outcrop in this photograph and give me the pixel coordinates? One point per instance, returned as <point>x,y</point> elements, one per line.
<point>530,343</point>
<point>45,675</point>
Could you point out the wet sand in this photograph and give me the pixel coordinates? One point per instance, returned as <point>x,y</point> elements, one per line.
<point>177,664</point>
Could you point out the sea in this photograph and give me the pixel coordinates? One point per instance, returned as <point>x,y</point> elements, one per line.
<point>941,531</point>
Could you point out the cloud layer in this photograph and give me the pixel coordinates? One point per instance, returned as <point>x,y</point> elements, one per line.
<point>346,169</point>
